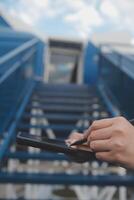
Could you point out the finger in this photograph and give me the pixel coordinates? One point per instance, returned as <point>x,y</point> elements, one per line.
<point>84,147</point>
<point>103,123</point>
<point>100,134</point>
<point>100,124</point>
<point>75,136</point>
<point>104,156</point>
<point>87,132</point>
<point>100,145</point>
<point>68,142</point>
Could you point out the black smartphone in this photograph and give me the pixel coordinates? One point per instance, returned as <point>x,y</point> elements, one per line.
<point>54,145</point>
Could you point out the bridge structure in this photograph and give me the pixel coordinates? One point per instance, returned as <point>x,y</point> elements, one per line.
<point>31,104</point>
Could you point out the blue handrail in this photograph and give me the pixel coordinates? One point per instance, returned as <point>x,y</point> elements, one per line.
<point>122,61</point>
<point>10,62</point>
<point>18,50</point>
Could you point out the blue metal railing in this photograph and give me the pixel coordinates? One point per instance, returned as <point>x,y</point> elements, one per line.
<point>117,78</point>
<point>10,132</point>
<point>10,40</point>
<point>10,62</point>
<point>17,72</point>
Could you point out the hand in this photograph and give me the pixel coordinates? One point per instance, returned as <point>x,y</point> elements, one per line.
<point>74,137</point>
<point>78,136</point>
<point>113,141</point>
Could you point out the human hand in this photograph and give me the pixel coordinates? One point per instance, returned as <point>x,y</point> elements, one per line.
<point>79,136</point>
<point>113,141</point>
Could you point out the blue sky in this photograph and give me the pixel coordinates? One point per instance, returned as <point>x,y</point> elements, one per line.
<point>75,18</point>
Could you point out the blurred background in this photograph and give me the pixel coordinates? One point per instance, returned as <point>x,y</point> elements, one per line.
<point>63,64</point>
<point>79,19</point>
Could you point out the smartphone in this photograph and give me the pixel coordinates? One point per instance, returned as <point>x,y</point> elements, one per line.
<point>54,145</point>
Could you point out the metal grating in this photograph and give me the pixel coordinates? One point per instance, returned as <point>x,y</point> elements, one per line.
<point>62,109</point>
<point>56,111</point>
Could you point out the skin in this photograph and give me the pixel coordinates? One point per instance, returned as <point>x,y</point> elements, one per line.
<point>111,139</point>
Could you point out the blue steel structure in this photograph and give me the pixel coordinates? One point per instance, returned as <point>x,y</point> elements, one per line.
<point>4,23</point>
<point>21,63</point>
<point>120,86</point>
<point>91,64</point>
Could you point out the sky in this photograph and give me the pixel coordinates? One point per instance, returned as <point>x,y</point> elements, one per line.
<point>75,18</point>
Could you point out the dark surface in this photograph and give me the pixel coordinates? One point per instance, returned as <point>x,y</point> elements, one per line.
<point>54,145</point>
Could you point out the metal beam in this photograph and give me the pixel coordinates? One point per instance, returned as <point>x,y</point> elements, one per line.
<point>62,108</point>
<point>11,131</point>
<point>45,156</point>
<point>63,117</point>
<point>55,127</point>
<point>65,179</point>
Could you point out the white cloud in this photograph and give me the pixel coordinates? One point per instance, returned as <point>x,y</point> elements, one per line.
<point>36,4</point>
<point>126,10</point>
<point>30,11</point>
<point>84,16</point>
<point>76,4</point>
<point>24,17</point>
<point>109,10</point>
<point>84,19</point>
<point>34,9</point>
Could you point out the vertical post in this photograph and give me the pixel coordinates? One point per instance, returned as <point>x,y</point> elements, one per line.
<point>39,62</point>
<point>91,64</point>
<point>47,62</point>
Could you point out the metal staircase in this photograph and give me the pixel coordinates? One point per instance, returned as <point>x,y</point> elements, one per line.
<point>56,110</point>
